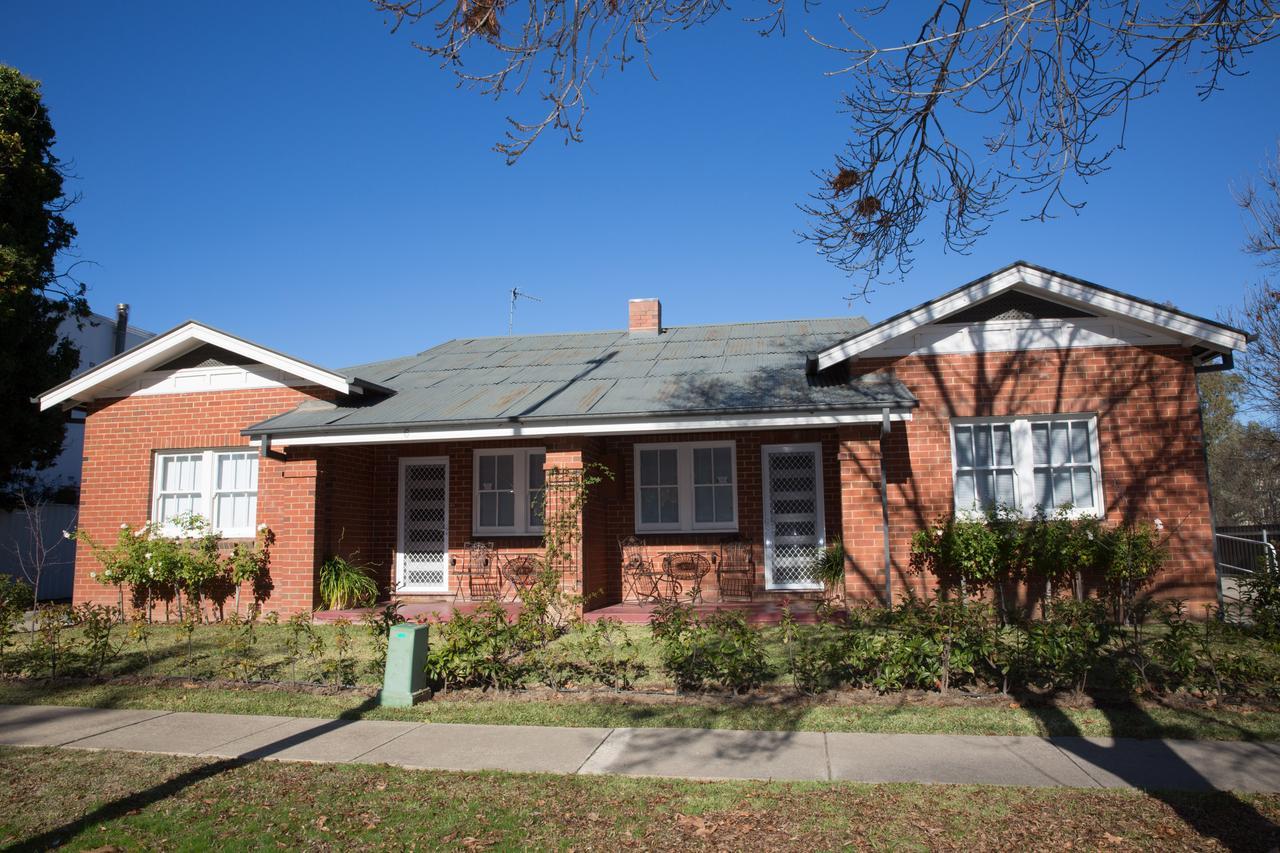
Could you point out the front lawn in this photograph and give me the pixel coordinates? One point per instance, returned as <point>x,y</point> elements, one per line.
<point>115,800</point>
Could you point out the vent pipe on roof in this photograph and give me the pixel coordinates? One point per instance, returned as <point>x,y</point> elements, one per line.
<point>645,316</point>
<point>122,328</point>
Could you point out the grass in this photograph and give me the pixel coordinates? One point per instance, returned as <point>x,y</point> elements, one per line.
<point>778,710</point>
<point>904,716</point>
<point>115,800</point>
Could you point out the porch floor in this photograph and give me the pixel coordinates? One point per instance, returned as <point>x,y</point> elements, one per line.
<point>630,612</point>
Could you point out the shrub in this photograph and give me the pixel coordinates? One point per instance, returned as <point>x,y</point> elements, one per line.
<point>483,649</point>
<point>15,599</point>
<point>344,584</point>
<point>1260,592</point>
<point>1062,649</point>
<point>720,650</point>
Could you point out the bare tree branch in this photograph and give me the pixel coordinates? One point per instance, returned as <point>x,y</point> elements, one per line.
<point>988,98</point>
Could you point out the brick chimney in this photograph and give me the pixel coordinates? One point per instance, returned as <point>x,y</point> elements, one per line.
<point>646,316</point>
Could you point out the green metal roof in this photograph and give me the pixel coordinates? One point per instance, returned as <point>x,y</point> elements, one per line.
<point>685,370</point>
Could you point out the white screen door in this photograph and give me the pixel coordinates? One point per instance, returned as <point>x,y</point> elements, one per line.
<point>794,532</point>
<point>423,564</point>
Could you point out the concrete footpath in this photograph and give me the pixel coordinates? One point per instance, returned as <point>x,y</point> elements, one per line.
<point>681,753</point>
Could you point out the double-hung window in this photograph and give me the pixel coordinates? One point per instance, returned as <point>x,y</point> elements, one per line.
<point>221,486</point>
<point>509,491</point>
<point>1027,464</point>
<point>686,487</point>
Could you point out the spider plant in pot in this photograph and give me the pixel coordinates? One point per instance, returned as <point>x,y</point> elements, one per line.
<point>828,567</point>
<point>345,583</point>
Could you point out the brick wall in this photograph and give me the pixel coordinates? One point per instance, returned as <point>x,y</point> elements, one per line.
<point>1148,433</point>
<point>121,437</point>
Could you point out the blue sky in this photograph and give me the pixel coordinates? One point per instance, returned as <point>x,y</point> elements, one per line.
<point>296,174</point>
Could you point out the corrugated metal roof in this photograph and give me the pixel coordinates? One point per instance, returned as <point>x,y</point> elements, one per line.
<point>740,367</point>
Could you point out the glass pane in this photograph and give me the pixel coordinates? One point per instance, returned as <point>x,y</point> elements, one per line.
<point>1040,444</point>
<point>505,472</point>
<point>724,504</point>
<point>724,465</point>
<point>703,465</point>
<point>1004,489</point>
<point>667,472</point>
<point>648,467</point>
<point>537,472</point>
<point>536,507</point>
<point>1044,487</point>
<point>1083,482</point>
<point>982,446</point>
<point>488,509</point>
<point>1061,486</point>
<point>486,472</point>
<point>648,506</point>
<point>704,503</point>
<point>986,489</point>
<point>964,446</point>
<point>964,490</point>
<point>1003,445</point>
<point>669,505</point>
<point>1079,441</point>
<point>506,507</point>
<point>1059,448</point>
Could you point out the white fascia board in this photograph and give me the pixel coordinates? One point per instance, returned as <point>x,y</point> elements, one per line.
<point>1034,280</point>
<point>183,339</point>
<point>609,428</point>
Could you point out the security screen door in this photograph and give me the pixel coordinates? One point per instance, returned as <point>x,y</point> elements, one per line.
<point>794,533</point>
<point>423,549</point>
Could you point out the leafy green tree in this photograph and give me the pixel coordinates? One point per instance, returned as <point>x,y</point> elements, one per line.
<point>34,297</point>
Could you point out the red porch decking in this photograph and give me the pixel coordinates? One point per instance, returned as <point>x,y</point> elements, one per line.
<point>630,612</point>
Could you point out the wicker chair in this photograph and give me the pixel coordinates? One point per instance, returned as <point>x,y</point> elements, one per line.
<point>481,569</point>
<point>638,573</point>
<point>736,571</point>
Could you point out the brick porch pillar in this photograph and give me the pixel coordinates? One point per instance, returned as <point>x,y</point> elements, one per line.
<point>599,586</point>
<point>287,492</point>
<point>861,521</point>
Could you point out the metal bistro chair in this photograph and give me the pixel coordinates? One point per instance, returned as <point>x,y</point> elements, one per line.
<point>522,571</point>
<point>736,571</point>
<point>481,570</point>
<point>686,568</point>
<point>637,570</point>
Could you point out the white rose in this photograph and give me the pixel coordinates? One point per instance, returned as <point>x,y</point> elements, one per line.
<point>1159,525</point>
<point>66,535</point>
<point>93,574</point>
<point>124,525</point>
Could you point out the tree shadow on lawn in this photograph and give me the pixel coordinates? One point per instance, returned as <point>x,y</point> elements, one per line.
<point>122,806</point>
<point>1155,768</point>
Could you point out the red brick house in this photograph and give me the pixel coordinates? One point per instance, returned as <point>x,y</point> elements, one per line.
<point>1026,386</point>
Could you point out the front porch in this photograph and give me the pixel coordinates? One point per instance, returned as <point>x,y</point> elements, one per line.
<point>732,520</point>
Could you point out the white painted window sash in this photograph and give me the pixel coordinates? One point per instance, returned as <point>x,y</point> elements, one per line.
<point>207,489</point>
<point>685,488</point>
<point>522,521</point>
<point>1024,462</point>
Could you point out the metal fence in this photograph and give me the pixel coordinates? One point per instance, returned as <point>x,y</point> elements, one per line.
<point>1244,550</point>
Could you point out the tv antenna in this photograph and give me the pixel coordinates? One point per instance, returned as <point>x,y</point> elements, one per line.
<point>516,293</point>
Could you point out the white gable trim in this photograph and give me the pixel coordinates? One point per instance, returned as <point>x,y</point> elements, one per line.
<point>195,380</point>
<point>143,358</point>
<point>1019,335</point>
<point>1034,280</point>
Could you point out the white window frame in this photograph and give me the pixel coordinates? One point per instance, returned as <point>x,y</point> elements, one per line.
<point>684,483</point>
<point>208,488</point>
<point>522,525</point>
<point>1024,462</point>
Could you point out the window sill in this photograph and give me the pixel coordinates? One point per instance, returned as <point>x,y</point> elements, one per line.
<point>507,533</point>
<point>639,531</point>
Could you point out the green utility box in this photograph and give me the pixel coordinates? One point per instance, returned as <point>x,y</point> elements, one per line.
<point>405,681</point>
